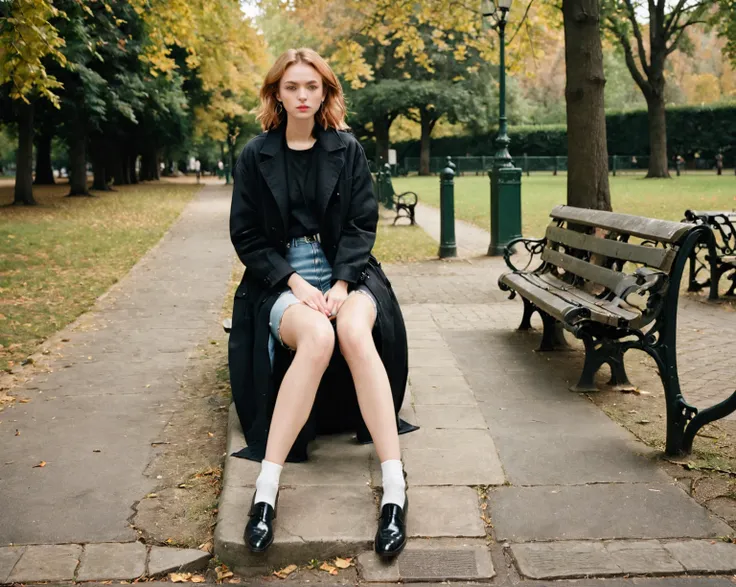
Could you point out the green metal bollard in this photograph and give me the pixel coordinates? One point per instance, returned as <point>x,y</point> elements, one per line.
<point>505,207</point>
<point>615,166</point>
<point>448,247</point>
<point>379,185</point>
<point>388,187</point>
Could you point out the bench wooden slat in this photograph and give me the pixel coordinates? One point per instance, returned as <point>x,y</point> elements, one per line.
<point>650,256</point>
<point>604,310</point>
<point>647,228</point>
<point>613,280</point>
<point>548,302</point>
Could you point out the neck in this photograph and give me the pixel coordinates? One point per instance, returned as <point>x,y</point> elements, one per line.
<point>299,131</point>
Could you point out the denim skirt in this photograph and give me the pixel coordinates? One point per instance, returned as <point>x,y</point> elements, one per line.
<point>306,257</point>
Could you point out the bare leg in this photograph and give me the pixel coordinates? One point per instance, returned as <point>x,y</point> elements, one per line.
<point>311,334</point>
<point>354,325</point>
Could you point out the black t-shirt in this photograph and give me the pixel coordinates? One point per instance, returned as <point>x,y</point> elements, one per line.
<point>302,180</point>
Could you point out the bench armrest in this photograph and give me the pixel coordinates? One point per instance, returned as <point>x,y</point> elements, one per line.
<point>534,246</point>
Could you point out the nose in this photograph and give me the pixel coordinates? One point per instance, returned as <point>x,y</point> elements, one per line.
<point>302,94</point>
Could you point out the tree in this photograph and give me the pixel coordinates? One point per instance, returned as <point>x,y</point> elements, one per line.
<point>667,30</point>
<point>26,38</point>
<point>587,163</point>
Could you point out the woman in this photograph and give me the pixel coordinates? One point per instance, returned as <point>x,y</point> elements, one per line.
<point>303,221</point>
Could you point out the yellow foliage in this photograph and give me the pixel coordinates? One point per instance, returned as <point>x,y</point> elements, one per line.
<point>24,43</point>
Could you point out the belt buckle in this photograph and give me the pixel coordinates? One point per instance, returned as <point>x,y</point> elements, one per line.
<point>312,238</point>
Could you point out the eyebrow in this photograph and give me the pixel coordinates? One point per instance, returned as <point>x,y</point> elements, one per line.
<point>311,81</point>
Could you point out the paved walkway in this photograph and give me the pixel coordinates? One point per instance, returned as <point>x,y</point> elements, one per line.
<point>511,476</point>
<point>95,418</point>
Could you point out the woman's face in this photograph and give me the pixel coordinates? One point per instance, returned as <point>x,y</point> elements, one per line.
<point>301,91</point>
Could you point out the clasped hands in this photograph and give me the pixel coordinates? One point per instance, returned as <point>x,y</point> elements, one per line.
<point>328,304</point>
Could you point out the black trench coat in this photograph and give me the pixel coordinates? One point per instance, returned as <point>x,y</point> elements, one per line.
<point>348,215</point>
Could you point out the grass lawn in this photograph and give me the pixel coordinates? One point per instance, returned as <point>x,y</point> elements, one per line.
<point>402,244</point>
<point>58,257</point>
<point>656,198</point>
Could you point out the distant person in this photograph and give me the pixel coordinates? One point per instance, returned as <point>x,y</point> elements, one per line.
<point>634,162</point>
<point>719,163</point>
<point>198,169</point>
<point>678,163</point>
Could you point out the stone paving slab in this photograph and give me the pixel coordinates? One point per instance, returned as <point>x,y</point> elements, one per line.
<point>163,560</point>
<point>9,556</point>
<point>564,560</point>
<point>704,556</point>
<point>603,511</point>
<point>112,561</point>
<point>454,512</point>
<point>434,560</point>
<point>46,563</point>
<point>570,559</point>
<point>311,522</point>
<point>643,557</point>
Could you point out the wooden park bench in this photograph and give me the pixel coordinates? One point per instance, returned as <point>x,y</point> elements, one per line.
<point>706,271</point>
<point>403,203</point>
<point>612,280</point>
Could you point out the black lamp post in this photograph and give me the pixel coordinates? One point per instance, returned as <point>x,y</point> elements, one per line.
<point>505,178</point>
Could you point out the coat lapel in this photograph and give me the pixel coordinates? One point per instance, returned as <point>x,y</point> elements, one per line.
<point>331,160</point>
<point>273,169</point>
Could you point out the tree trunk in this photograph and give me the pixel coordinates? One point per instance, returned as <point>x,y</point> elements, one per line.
<point>44,171</point>
<point>587,167</point>
<point>426,123</point>
<point>24,157</point>
<point>657,135</point>
<point>99,183</point>
<point>150,169</point>
<point>382,128</point>
<point>78,165</point>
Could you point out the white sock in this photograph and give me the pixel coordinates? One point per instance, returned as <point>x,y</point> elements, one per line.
<point>394,486</point>
<point>267,484</point>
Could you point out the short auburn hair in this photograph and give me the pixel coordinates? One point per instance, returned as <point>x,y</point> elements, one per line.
<point>332,112</point>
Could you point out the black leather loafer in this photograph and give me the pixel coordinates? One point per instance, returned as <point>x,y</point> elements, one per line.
<point>259,529</point>
<point>391,534</point>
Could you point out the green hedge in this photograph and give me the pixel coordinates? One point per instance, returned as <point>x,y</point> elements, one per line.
<point>689,130</point>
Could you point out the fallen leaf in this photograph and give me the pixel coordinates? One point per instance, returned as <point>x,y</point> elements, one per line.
<point>198,579</point>
<point>234,581</point>
<point>328,568</point>
<point>152,495</point>
<point>24,400</point>
<point>206,547</point>
<point>41,464</point>
<point>180,577</point>
<point>343,563</point>
<point>210,434</point>
<point>17,432</point>
<point>285,572</point>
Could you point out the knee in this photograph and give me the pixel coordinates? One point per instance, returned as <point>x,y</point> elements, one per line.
<point>318,343</point>
<point>355,340</point>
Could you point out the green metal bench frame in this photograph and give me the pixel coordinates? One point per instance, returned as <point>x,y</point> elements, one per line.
<point>723,225</point>
<point>584,283</point>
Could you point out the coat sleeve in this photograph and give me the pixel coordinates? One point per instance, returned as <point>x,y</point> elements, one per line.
<point>247,234</point>
<point>358,234</point>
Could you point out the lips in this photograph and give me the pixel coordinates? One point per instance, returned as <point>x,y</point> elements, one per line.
<point>303,108</point>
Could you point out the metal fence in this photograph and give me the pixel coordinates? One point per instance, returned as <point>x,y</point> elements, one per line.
<point>531,164</point>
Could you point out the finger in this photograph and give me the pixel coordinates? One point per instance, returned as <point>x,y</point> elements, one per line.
<point>312,305</point>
